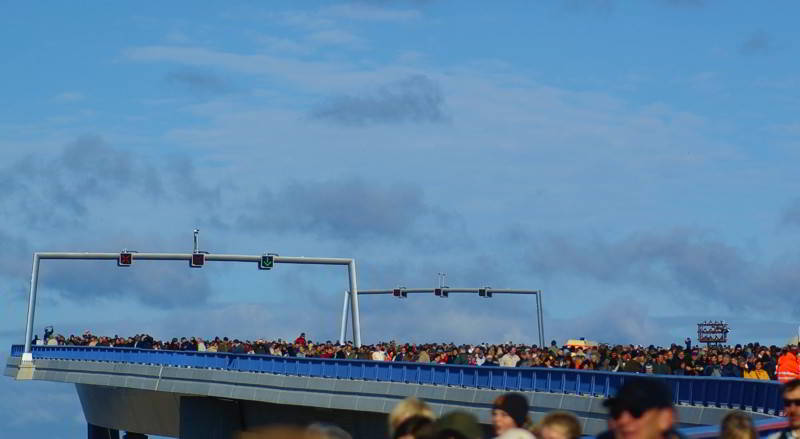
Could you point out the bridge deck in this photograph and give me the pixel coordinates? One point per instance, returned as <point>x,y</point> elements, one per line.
<point>365,386</point>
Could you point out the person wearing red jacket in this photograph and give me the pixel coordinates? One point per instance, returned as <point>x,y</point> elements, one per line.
<point>788,368</point>
<point>301,340</point>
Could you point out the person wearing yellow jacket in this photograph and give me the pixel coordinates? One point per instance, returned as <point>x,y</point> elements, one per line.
<point>758,373</point>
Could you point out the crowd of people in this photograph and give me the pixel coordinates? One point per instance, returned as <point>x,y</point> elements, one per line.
<point>752,360</point>
<point>641,409</point>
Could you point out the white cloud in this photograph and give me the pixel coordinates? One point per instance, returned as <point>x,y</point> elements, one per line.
<point>336,37</point>
<point>69,96</point>
<point>367,12</point>
<point>283,44</point>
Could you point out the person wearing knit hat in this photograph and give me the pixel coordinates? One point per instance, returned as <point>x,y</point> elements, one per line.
<point>509,413</point>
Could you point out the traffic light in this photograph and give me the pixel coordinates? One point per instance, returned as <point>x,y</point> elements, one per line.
<point>125,259</point>
<point>267,262</point>
<point>400,293</point>
<point>439,292</point>
<point>198,259</point>
<point>484,292</point>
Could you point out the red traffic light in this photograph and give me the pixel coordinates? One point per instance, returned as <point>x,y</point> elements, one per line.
<point>198,259</point>
<point>125,259</point>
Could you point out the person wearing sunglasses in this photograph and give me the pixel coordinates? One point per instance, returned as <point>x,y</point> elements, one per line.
<point>791,408</point>
<point>642,409</point>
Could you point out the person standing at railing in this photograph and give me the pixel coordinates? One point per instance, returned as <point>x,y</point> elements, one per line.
<point>379,354</point>
<point>678,364</point>
<point>757,372</point>
<point>633,363</point>
<point>788,368</point>
<point>661,367</point>
<point>423,357</point>
<point>791,409</point>
<point>770,364</point>
<point>729,369</point>
<point>510,358</point>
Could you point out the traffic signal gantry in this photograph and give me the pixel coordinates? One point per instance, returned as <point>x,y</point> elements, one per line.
<point>444,291</point>
<point>197,259</point>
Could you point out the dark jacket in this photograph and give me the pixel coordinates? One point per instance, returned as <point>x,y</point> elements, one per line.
<point>729,370</point>
<point>662,369</point>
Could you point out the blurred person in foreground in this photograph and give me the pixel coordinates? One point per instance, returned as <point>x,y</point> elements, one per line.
<point>509,416</point>
<point>408,417</point>
<point>328,431</point>
<point>280,432</point>
<point>737,425</point>
<point>454,425</point>
<point>558,425</point>
<point>642,409</point>
<point>791,408</point>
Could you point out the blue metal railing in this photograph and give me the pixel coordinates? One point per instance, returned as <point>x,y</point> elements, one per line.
<point>752,395</point>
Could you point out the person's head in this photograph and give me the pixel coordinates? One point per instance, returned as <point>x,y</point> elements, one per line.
<point>328,431</point>
<point>737,425</point>
<point>407,408</point>
<point>791,403</point>
<point>414,427</point>
<point>457,425</point>
<point>642,409</point>
<point>558,425</point>
<point>509,411</point>
<point>726,359</point>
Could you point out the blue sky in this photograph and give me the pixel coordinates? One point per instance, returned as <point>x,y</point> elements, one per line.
<point>637,161</point>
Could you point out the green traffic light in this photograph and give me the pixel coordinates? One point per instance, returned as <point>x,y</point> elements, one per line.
<point>267,262</point>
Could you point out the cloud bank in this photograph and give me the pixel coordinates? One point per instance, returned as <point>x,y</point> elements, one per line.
<point>415,99</point>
